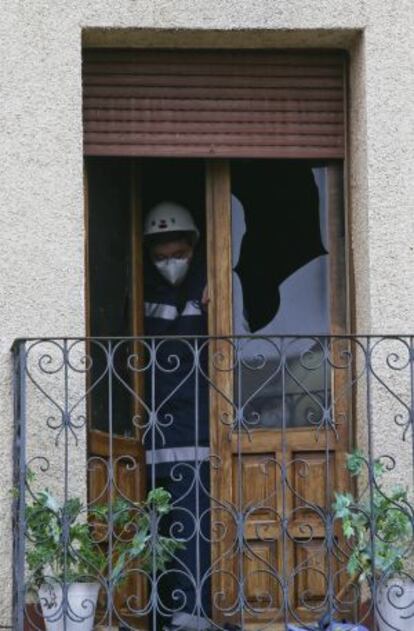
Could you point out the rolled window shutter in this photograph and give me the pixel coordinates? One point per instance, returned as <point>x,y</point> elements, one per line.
<point>213,103</point>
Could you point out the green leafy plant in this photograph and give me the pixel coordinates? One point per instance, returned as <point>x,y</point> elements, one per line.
<point>64,540</point>
<point>378,526</point>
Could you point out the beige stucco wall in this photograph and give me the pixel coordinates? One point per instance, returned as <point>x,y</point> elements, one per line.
<point>41,187</point>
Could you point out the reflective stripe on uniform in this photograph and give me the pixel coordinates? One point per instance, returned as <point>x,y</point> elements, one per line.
<point>192,308</point>
<point>177,454</point>
<point>155,310</point>
<point>170,312</point>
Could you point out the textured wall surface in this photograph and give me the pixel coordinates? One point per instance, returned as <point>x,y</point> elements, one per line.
<point>41,186</point>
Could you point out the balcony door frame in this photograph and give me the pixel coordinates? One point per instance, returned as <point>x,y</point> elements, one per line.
<point>219,262</point>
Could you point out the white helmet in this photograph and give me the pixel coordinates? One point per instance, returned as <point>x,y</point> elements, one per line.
<point>169,217</point>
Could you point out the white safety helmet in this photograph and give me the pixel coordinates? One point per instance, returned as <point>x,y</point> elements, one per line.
<point>169,217</point>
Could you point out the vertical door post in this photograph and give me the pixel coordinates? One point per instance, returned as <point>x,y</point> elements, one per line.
<point>218,207</point>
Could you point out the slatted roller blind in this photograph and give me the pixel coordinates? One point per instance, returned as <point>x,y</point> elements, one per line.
<point>213,103</point>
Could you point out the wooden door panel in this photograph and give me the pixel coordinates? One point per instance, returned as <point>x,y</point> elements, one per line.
<point>299,439</point>
<point>128,477</point>
<point>127,464</point>
<point>261,587</point>
<point>310,580</point>
<point>314,568</point>
<point>303,562</point>
<point>257,474</point>
<point>127,482</point>
<point>98,481</point>
<point>313,482</point>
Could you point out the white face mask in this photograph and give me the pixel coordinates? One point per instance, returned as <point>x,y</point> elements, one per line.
<point>173,270</point>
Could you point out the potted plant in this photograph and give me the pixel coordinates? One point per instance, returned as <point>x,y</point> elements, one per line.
<point>379,528</point>
<point>67,563</point>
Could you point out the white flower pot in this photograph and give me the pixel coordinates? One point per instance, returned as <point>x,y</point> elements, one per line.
<point>395,605</point>
<point>79,609</point>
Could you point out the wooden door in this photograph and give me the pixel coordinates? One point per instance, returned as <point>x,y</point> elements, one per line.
<point>275,556</point>
<point>116,459</point>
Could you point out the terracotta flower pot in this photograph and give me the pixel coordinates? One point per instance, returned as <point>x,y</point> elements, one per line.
<point>33,619</point>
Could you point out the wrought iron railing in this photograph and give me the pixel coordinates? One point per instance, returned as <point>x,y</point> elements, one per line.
<point>210,482</point>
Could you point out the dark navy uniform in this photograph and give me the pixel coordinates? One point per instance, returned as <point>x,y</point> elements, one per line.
<point>177,435</point>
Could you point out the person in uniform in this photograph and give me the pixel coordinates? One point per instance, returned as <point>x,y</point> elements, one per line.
<point>177,432</point>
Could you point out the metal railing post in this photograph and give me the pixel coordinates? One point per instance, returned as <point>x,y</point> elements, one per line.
<point>19,508</point>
